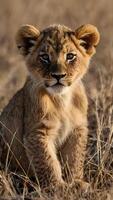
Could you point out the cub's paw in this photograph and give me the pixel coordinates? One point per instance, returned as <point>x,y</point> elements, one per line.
<point>55,187</point>
<point>81,186</point>
<point>78,185</point>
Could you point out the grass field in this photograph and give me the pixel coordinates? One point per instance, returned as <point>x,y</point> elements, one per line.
<point>98,168</point>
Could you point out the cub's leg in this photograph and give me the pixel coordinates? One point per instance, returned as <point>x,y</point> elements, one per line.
<point>42,156</point>
<point>12,153</point>
<point>72,154</point>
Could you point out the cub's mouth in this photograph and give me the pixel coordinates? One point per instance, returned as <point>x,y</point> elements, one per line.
<point>55,88</point>
<point>58,84</point>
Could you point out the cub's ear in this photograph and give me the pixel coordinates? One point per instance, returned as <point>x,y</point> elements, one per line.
<point>89,36</point>
<point>26,38</point>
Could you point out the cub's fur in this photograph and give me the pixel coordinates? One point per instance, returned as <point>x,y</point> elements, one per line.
<point>44,126</point>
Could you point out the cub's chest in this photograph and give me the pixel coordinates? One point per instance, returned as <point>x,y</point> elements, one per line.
<point>64,130</point>
<point>66,123</point>
<point>70,119</point>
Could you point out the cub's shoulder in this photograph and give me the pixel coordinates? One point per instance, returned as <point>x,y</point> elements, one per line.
<point>80,98</point>
<point>14,107</point>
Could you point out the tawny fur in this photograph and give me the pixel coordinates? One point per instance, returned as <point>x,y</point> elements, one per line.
<point>44,127</point>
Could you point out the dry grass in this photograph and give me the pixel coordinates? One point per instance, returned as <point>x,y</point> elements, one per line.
<point>99,86</point>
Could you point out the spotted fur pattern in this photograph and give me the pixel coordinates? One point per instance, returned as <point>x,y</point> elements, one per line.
<point>44,126</point>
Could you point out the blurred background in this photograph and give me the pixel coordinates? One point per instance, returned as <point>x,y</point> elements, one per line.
<point>42,13</point>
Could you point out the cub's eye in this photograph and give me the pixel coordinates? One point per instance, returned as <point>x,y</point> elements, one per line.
<point>70,57</point>
<point>44,58</point>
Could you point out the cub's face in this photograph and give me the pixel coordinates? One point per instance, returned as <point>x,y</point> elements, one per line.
<point>57,57</point>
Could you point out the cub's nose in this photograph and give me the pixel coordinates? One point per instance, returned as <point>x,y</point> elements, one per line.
<point>58,76</point>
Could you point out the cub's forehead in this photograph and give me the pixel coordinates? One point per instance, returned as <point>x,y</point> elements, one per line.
<point>57,28</point>
<point>56,36</point>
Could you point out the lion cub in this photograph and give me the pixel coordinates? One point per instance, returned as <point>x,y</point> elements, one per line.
<point>44,126</point>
